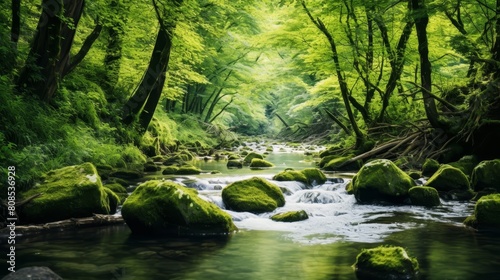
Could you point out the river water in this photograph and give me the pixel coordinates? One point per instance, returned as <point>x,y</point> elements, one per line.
<point>323,247</point>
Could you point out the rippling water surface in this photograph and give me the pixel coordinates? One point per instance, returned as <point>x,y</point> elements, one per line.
<point>323,247</point>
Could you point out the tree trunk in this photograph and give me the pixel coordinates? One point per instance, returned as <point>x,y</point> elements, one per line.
<point>360,137</point>
<point>50,51</point>
<point>16,21</point>
<point>421,18</point>
<point>87,44</point>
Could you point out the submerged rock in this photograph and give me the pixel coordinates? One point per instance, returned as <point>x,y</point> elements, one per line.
<point>486,175</point>
<point>385,263</point>
<point>451,183</point>
<point>486,213</point>
<point>381,180</point>
<point>69,192</point>
<point>308,176</point>
<point>234,164</point>
<point>33,272</point>
<point>424,196</point>
<point>168,208</point>
<point>255,195</point>
<point>289,217</point>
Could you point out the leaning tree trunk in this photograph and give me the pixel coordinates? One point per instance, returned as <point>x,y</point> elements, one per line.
<point>16,21</point>
<point>421,19</point>
<point>50,51</point>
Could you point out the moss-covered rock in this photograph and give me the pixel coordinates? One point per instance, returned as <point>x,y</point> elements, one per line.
<point>486,213</point>
<point>289,217</point>
<point>381,180</point>
<point>308,176</point>
<point>151,167</point>
<point>486,175</point>
<point>69,192</point>
<point>424,196</point>
<point>260,163</point>
<point>188,170</point>
<point>168,208</point>
<point>127,174</point>
<point>466,164</point>
<point>113,200</point>
<point>430,167</point>
<point>170,170</point>
<point>254,195</point>
<point>451,183</point>
<point>385,263</point>
<point>234,164</point>
<point>249,157</point>
<point>348,188</point>
<point>119,190</point>
<point>338,164</point>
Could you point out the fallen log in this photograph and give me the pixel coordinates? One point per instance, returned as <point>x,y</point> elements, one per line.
<point>97,220</point>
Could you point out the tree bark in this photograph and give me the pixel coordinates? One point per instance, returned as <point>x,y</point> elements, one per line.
<point>360,137</point>
<point>87,44</point>
<point>16,21</point>
<point>421,18</point>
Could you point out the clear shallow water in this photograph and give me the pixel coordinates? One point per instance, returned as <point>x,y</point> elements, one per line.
<point>323,247</point>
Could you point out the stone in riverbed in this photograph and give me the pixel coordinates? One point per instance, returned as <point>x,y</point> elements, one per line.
<point>424,196</point>
<point>430,167</point>
<point>164,207</point>
<point>254,195</point>
<point>33,272</point>
<point>381,181</point>
<point>69,192</point>
<point>289,217</point>
<point>234,164</point>
<point>308,176</point>
<point>250,156</point>
<point>260,163</point>
<point>451,183</point>
<point>486,176</point>
<point>385,262</point>
<point>486,213</point>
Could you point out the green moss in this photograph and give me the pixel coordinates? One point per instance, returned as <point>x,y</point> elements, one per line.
<point>385,262</point>
<point>466,164</point>
<point>381,180</point>
<point>487,210</point>
<point>486,175</point>
<point>127,174</point>
<point>188,170</point>
<point>248,159</point>
<point>254,195</point>
<point>290,175</point>
<point>448,178</point>
<point>292,216</point>
<point>260,163</point>
<point>169,170</point>
<point>348,188</point>
<point>308,176</point>
<point>113,200</point>
<point>314,176</point>
<point>69,192</point>
<point>414,174</point>
<point>166,207</point>
<point>424,196</point>
<point>234,164</point>
<point>334,164</point>
<point>430,167</point>
<point>119,190</point>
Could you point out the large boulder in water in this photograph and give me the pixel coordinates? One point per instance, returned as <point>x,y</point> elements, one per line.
<point>33,272</point>
<point>164,207</point>
<point>254,195</point>
<point>424,196</point>
<point>308,176</point>
<point>486,213</point>
<point>385,263</point>
<point>381,180</point>
<point>486,176</point>
<point>69,192</point>
<point>451,183</point>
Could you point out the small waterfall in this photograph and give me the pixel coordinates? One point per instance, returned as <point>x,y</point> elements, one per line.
<point>317,196</point>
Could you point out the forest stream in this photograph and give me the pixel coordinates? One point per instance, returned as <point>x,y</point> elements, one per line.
<point>322,247</point>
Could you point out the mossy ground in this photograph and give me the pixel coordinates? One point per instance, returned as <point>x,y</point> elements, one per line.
<point>166,207</point>
<point>254,195</point>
